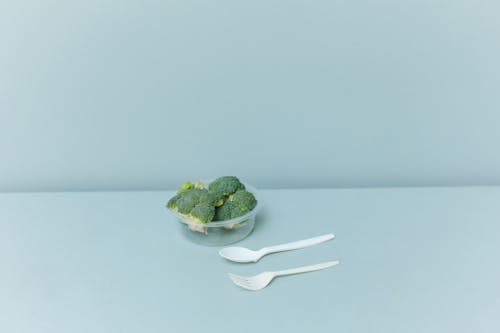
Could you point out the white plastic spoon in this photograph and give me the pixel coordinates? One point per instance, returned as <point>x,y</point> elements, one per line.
<point>242,254</point>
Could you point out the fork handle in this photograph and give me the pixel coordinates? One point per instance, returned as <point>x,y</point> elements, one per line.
<point>305,269</point>
<point>298,244</point>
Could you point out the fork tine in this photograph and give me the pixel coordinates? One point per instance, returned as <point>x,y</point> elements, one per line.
<point>236,277</point>
<point>240,281</point>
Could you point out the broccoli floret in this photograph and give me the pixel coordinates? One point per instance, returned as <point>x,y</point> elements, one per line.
<point>202,213</point>
<point>189,186</point>
<point>184,187</point>
<point>172,203</point>
<point>191,198</point>
<point>226,185</point>
<point>218,197</point>
<point>237,204</point>
<point>197,204</point>
<point>223,187</point>
<point>225,198</point>
<point>223,212</point>
<point>243,199</point>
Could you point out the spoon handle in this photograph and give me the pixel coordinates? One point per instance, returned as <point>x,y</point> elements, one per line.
<point>298,244</point>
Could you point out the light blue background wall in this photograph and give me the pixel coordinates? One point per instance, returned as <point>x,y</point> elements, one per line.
<point>143,94</point>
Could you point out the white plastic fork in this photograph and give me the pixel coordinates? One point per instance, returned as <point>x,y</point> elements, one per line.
<point>261,280</point>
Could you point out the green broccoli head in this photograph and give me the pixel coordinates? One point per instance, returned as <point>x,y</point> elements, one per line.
<point>202,213</point>
<point>244,199</point>
<point>237,204</point>
<point>219,198</point>
<point>226,185</point>
<point>225,198</point>
<point>224,212</point>
<point>197,204</point>
<point>190,198</point>
<point>172,203</point>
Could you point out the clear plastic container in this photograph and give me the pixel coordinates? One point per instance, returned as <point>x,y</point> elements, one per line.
<point>219,232</point>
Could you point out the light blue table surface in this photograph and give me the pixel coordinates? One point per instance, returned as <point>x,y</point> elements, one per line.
<point>413,260</point>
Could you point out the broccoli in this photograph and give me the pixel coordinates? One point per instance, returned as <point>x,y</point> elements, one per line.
<point>237,204</point>
<point>203,213</point>
<point>189,186</point>
<point>197,204</point>
<point>226,185</point>
<point>225,198</point>
<point>223,187</point>
<point>224,212</point>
